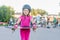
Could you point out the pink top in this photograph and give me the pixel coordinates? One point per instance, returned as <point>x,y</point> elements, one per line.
<point>25,21</point>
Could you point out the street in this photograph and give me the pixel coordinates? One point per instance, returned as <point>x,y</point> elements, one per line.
<point>40,34</point>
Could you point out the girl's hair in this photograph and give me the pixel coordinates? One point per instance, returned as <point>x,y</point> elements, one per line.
<point>24,14</point>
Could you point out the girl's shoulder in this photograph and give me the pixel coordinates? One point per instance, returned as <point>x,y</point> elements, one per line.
<point>24,16</point>
<point>20,16</point>
<point>31,16</point>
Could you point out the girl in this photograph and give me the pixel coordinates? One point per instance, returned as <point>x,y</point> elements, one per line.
<point>25,20</point>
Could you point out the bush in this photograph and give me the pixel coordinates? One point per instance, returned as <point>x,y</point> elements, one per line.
<point>5,13</point>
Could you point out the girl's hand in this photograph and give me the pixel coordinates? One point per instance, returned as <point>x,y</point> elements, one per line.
<point>34,28</point>
<point>15,26</point>
<point>13,29</point>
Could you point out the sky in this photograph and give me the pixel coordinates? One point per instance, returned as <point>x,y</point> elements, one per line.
<point>51,6</point>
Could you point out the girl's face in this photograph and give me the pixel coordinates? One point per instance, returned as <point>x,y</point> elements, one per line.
<point>26,11</point>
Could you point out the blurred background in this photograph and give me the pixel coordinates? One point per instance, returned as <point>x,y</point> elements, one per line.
<point>46,14</point>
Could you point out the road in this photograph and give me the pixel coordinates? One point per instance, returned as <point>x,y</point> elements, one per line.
<point>40,34</point>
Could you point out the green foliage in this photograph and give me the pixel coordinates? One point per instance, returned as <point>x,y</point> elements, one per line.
<point>38,11</point>
<point>6,13</point>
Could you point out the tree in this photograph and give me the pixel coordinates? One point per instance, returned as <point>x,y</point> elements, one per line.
<point>6,13</point>
<point>41,12</point>
<point>34,12</point>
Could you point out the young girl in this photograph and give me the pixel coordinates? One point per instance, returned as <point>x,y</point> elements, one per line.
<point>25,20</point>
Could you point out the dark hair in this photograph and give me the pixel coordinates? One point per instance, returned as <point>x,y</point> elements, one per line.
<point>24,14</point>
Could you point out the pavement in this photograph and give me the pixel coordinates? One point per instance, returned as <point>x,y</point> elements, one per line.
<point>40,34</point>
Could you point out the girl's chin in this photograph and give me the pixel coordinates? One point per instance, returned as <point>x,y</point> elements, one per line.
<point>25,15</point>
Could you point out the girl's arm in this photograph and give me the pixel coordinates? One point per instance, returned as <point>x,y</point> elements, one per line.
<point>16,24</point>
<point>34,24</point>
<point>18,21</point>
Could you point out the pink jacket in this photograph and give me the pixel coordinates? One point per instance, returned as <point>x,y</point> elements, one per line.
<point>25,21</point>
